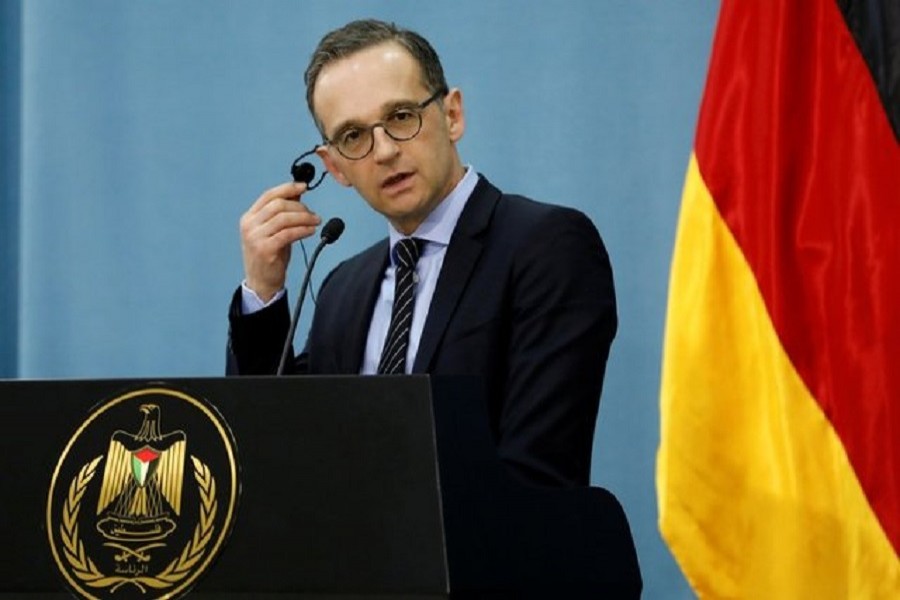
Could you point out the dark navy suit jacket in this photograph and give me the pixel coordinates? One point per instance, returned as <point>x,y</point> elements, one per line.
<point>525,300</point>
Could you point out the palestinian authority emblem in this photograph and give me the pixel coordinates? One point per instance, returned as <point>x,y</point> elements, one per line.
<point>143,497</point>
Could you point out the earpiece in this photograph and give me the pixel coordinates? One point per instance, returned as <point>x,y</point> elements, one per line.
<point>304,172</point>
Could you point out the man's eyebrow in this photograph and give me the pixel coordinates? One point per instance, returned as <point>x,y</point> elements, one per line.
<point>386,109</point>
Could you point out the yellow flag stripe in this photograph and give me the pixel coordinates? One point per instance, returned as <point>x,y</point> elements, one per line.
<point>757,498</point>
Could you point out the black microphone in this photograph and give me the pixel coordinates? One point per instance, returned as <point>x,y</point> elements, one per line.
<point>330,234</point>
<point>332,231</point>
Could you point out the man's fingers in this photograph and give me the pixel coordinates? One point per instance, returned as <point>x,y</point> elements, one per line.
<point>277,206</point>
<point>275,214</point>
<point>289,235</point>
<point>269,222</point>
<point>287,191</point>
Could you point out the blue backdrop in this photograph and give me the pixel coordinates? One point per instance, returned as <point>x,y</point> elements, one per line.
<point>135,134</point>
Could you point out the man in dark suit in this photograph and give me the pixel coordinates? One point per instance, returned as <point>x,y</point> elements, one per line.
<point>500,286</point>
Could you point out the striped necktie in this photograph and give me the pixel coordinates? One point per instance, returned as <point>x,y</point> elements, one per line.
<point>393,356</point>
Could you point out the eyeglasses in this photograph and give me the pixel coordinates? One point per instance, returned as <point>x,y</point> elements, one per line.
<point>403,124</point>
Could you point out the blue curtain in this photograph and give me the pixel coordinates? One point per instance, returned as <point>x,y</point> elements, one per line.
<point>10,120</point>
<point>134,134</point>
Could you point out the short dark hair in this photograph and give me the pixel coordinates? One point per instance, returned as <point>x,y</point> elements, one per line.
<point>362,34</point>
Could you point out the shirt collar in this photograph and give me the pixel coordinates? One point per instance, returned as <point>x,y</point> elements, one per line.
<point>438,226</point>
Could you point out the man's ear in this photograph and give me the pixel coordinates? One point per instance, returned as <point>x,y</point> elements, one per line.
<point>323,153</point>
<point>454,114</point>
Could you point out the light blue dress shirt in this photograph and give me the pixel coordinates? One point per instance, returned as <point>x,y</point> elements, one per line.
<point>436,230</point>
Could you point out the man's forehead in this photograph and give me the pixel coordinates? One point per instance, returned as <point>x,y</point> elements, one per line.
<point>366,82</point>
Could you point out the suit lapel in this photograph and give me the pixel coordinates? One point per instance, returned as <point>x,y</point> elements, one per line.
<point>463,253</point>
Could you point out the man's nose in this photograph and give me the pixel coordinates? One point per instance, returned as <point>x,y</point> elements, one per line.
<point>386,147</point>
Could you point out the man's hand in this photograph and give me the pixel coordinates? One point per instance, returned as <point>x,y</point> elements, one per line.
<point>275,221</point>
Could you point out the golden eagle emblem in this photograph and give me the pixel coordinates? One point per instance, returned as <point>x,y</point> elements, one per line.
<point>140,497</point>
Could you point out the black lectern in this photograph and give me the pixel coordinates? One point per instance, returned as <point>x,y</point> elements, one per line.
<point>350,487</point>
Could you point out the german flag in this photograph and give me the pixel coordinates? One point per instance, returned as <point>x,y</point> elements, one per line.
<point>778,472</point>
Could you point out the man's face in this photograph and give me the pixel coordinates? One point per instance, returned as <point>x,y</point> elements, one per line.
<point>403,181</point>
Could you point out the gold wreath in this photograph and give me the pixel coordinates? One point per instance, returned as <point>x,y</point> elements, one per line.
<point>85,569</point>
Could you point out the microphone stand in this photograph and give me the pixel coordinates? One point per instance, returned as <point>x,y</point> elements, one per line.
<point>330,233</point>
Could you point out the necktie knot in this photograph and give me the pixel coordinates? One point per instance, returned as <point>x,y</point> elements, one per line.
<point>407,251</point>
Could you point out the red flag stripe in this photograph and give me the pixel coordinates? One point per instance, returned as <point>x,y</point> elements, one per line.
<point>799,157</point>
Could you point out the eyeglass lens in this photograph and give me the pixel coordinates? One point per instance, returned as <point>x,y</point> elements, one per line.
<point>401,125</point>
